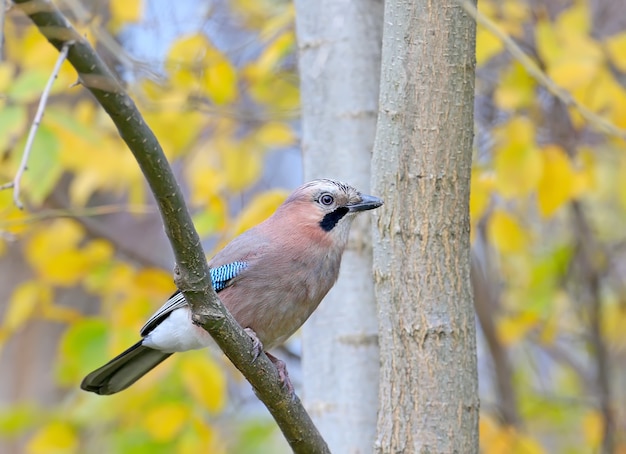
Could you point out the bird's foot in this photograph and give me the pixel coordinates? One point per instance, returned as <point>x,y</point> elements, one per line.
<point>257,348</point>
<point>257,345</point>
<point>283,376</point>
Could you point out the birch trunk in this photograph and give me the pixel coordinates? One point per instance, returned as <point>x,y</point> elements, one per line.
<point>421,167</point>
<point>339,50</point>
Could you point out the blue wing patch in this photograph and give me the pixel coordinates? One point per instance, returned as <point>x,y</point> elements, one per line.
<point>222,274</point>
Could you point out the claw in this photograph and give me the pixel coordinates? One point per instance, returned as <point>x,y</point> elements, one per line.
<point>257,348</point>
<point>257,345</point>
<point>283,376</point>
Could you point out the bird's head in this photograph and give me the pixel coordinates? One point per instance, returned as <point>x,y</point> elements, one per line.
<point>329,206</point>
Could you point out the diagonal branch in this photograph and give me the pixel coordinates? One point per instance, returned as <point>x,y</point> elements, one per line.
<point>597,121</point>
<point>192,271</point>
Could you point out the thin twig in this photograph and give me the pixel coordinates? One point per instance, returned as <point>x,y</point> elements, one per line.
<point>15,184</point>
<point>487,305</point>
<point>587,250</point>
<point>600,123</point>
<point>3,7</point>
<point>99,210</point>
<point>109,43</point>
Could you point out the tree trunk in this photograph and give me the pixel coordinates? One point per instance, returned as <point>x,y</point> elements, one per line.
<point>339,44</point>
<point>421,167</point>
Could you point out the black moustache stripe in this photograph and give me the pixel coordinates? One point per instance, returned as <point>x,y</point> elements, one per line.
<point>329,221</point>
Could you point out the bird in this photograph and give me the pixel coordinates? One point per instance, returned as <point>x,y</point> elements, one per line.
<point>271,278</point>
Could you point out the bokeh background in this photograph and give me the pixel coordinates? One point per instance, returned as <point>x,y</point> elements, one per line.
<point>86,262</point>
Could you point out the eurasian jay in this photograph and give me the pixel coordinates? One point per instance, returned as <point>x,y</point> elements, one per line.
<point>271,278</point>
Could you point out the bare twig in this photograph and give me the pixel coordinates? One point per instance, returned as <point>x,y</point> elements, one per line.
<point>595,120</point>
<point>587,249</point>
<point>99,210</point>
<point>108,42</point>
<point>3,7</point>
<point>192,272</point>
<point>15,184</point>
<point>487,304</point>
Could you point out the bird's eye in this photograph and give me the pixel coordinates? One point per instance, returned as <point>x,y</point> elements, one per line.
<point>326,199</point>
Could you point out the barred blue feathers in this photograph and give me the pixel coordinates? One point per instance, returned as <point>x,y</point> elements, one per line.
<point>222,274</point>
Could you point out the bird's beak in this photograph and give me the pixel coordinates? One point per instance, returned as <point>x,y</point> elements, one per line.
<point>368,202</point>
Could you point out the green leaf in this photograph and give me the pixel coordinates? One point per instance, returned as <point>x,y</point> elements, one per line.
<point>17,419</point>
<point>139,442</point>
<point>28,87</point>
<point>257,436</point>
<point>83,348</point>
<point>206,222</point>
<point>12,125</point>
<point>44,168</point>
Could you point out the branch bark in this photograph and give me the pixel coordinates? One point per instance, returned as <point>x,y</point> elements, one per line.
<point>192,272</point>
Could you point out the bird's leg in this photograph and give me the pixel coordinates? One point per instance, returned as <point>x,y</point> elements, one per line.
<point>257,345</point>
<point>282,372</point>
<point>257,348</point>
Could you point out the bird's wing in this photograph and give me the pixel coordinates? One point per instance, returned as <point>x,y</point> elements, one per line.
<point>221,276</point>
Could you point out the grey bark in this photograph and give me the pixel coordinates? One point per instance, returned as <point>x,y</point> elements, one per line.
<point>339,57</point>
<point>421,166</point>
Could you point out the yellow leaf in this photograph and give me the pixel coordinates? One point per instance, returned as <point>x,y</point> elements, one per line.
<point>60,235</point>
<point>274,134</point>
<point>276,51</point>
<point>616,46</point>
<point>55,254</point>
<point>199,66</point>
<point>258,209</point>
<point>617,112</point>
<point>517,162</point>
<point>23,302</point>
<point>574,20</point>
<point>131,312</point>
<point>154,282</point>
<point>502,439</point>
<point>165,421</point>
<point>557,181</point>
<point>241,166</point>
<point>548,45</point>
<point>487,45</point>
<point>202,438</point>
<point>126,10</point>
<point>614,324</point>
<point>512,329</point>
<point>585,176</point>
<point>505,233</point>
<point>272,90</point>
<point>593,428</point>
<point>7,73</point>
<point>189,50</point>
<point>482,184</point>
<point>53,438</point>
<point>516,89</point>
<point>182,128</point>
<point>573,73</point>
<point>220,80</point>
<point>57,313</point>
<point>204,379</point>
<point>40,55</point>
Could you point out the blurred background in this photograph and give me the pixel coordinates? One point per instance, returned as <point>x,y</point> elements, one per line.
<point>87,262</point>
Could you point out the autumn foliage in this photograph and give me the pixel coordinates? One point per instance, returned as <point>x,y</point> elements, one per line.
<point>548,206</point>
